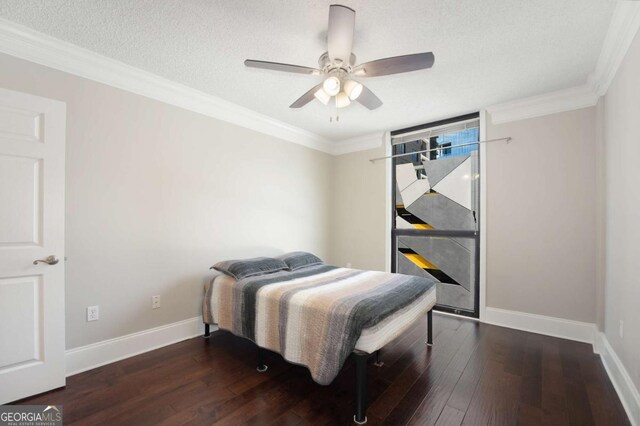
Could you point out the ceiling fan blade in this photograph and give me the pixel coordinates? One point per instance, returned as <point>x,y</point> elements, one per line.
<point>368,99</point>
<point>342,20</point>
<point>276,66</point>
<point>395,65</point>
<point>306,98</point>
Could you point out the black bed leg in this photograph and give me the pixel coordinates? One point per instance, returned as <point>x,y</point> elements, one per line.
<point>207,331</point>
<point>262,367</point>
<point>430,328</point>
<point>361,389</point>
<point>379,362</point>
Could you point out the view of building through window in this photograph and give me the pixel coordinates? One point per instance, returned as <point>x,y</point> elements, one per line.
<point>450,143</point>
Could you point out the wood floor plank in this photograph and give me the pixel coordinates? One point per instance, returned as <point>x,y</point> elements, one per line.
<point>288,418</point>
<point>450,417</point>
<point>554,406</point>
<point>530,404</point>
<point>431,376</point>
<point>578,406</point>
<point>506,399</point>
<point>400,382</point>
<point>434,402</point>
<point>605,404</point>
<point>531,390</point>
<point>485,396</point>
<point>474,374</point>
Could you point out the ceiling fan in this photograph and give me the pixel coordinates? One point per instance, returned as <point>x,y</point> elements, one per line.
<point>338,64</point>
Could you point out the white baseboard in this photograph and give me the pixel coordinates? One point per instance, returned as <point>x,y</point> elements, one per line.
<point>626,389</point>
<point>101,353</point>
<point>550,326</point>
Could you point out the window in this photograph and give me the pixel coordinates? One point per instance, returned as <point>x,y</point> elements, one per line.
<point>435,231</point>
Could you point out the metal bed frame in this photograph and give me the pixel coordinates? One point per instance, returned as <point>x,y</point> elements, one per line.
<point>361,359</point>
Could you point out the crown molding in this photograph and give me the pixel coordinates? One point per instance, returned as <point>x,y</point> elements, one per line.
<point>358,143</point>
<point>624,25</point>
<point>26,43</point>
<point>549,103</point>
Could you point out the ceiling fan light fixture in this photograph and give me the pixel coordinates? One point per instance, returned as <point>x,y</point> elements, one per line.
<point>353,89</point>
<point>342,100</point>
<point>322,96</point>
<point>338,65</point>
<point>331,85</point>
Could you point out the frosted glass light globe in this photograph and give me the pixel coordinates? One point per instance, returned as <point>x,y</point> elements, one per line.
<point>342,100</point>
<point>322,96</point>
<point>331,85</point>
<point>353,89</point>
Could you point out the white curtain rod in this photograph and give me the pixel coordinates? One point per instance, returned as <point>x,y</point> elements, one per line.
<point>373,160</point>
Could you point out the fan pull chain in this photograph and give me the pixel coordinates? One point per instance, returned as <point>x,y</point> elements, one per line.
<point>337,113</point>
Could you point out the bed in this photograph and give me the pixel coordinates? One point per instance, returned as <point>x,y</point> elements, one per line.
<point>318,314</point>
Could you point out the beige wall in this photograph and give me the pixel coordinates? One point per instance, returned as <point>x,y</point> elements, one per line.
<point>157,194</point>
<point>622,146</point>
<point>358,231</point>
<point>540,216</point>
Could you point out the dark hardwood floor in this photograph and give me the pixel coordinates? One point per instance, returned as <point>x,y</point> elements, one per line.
<point>475,374</point>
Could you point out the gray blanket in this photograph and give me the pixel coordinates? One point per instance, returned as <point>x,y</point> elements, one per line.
<point>313,316</point>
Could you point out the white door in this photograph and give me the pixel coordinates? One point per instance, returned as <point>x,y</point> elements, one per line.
<point>32,140</point>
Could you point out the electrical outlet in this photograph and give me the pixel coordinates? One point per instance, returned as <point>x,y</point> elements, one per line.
<point>93,313</point>
<point>621,329</point>
<point>155,302</point>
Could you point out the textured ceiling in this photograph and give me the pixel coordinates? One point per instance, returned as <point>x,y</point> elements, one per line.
<point>486,52</point>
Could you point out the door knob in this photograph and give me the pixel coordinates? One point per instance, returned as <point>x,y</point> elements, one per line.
<point>49,260</point>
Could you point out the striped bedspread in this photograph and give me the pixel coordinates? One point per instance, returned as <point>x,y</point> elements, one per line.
<point>311,316</point>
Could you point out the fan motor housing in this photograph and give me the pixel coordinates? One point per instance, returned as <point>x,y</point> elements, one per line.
<point>326,65</point>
